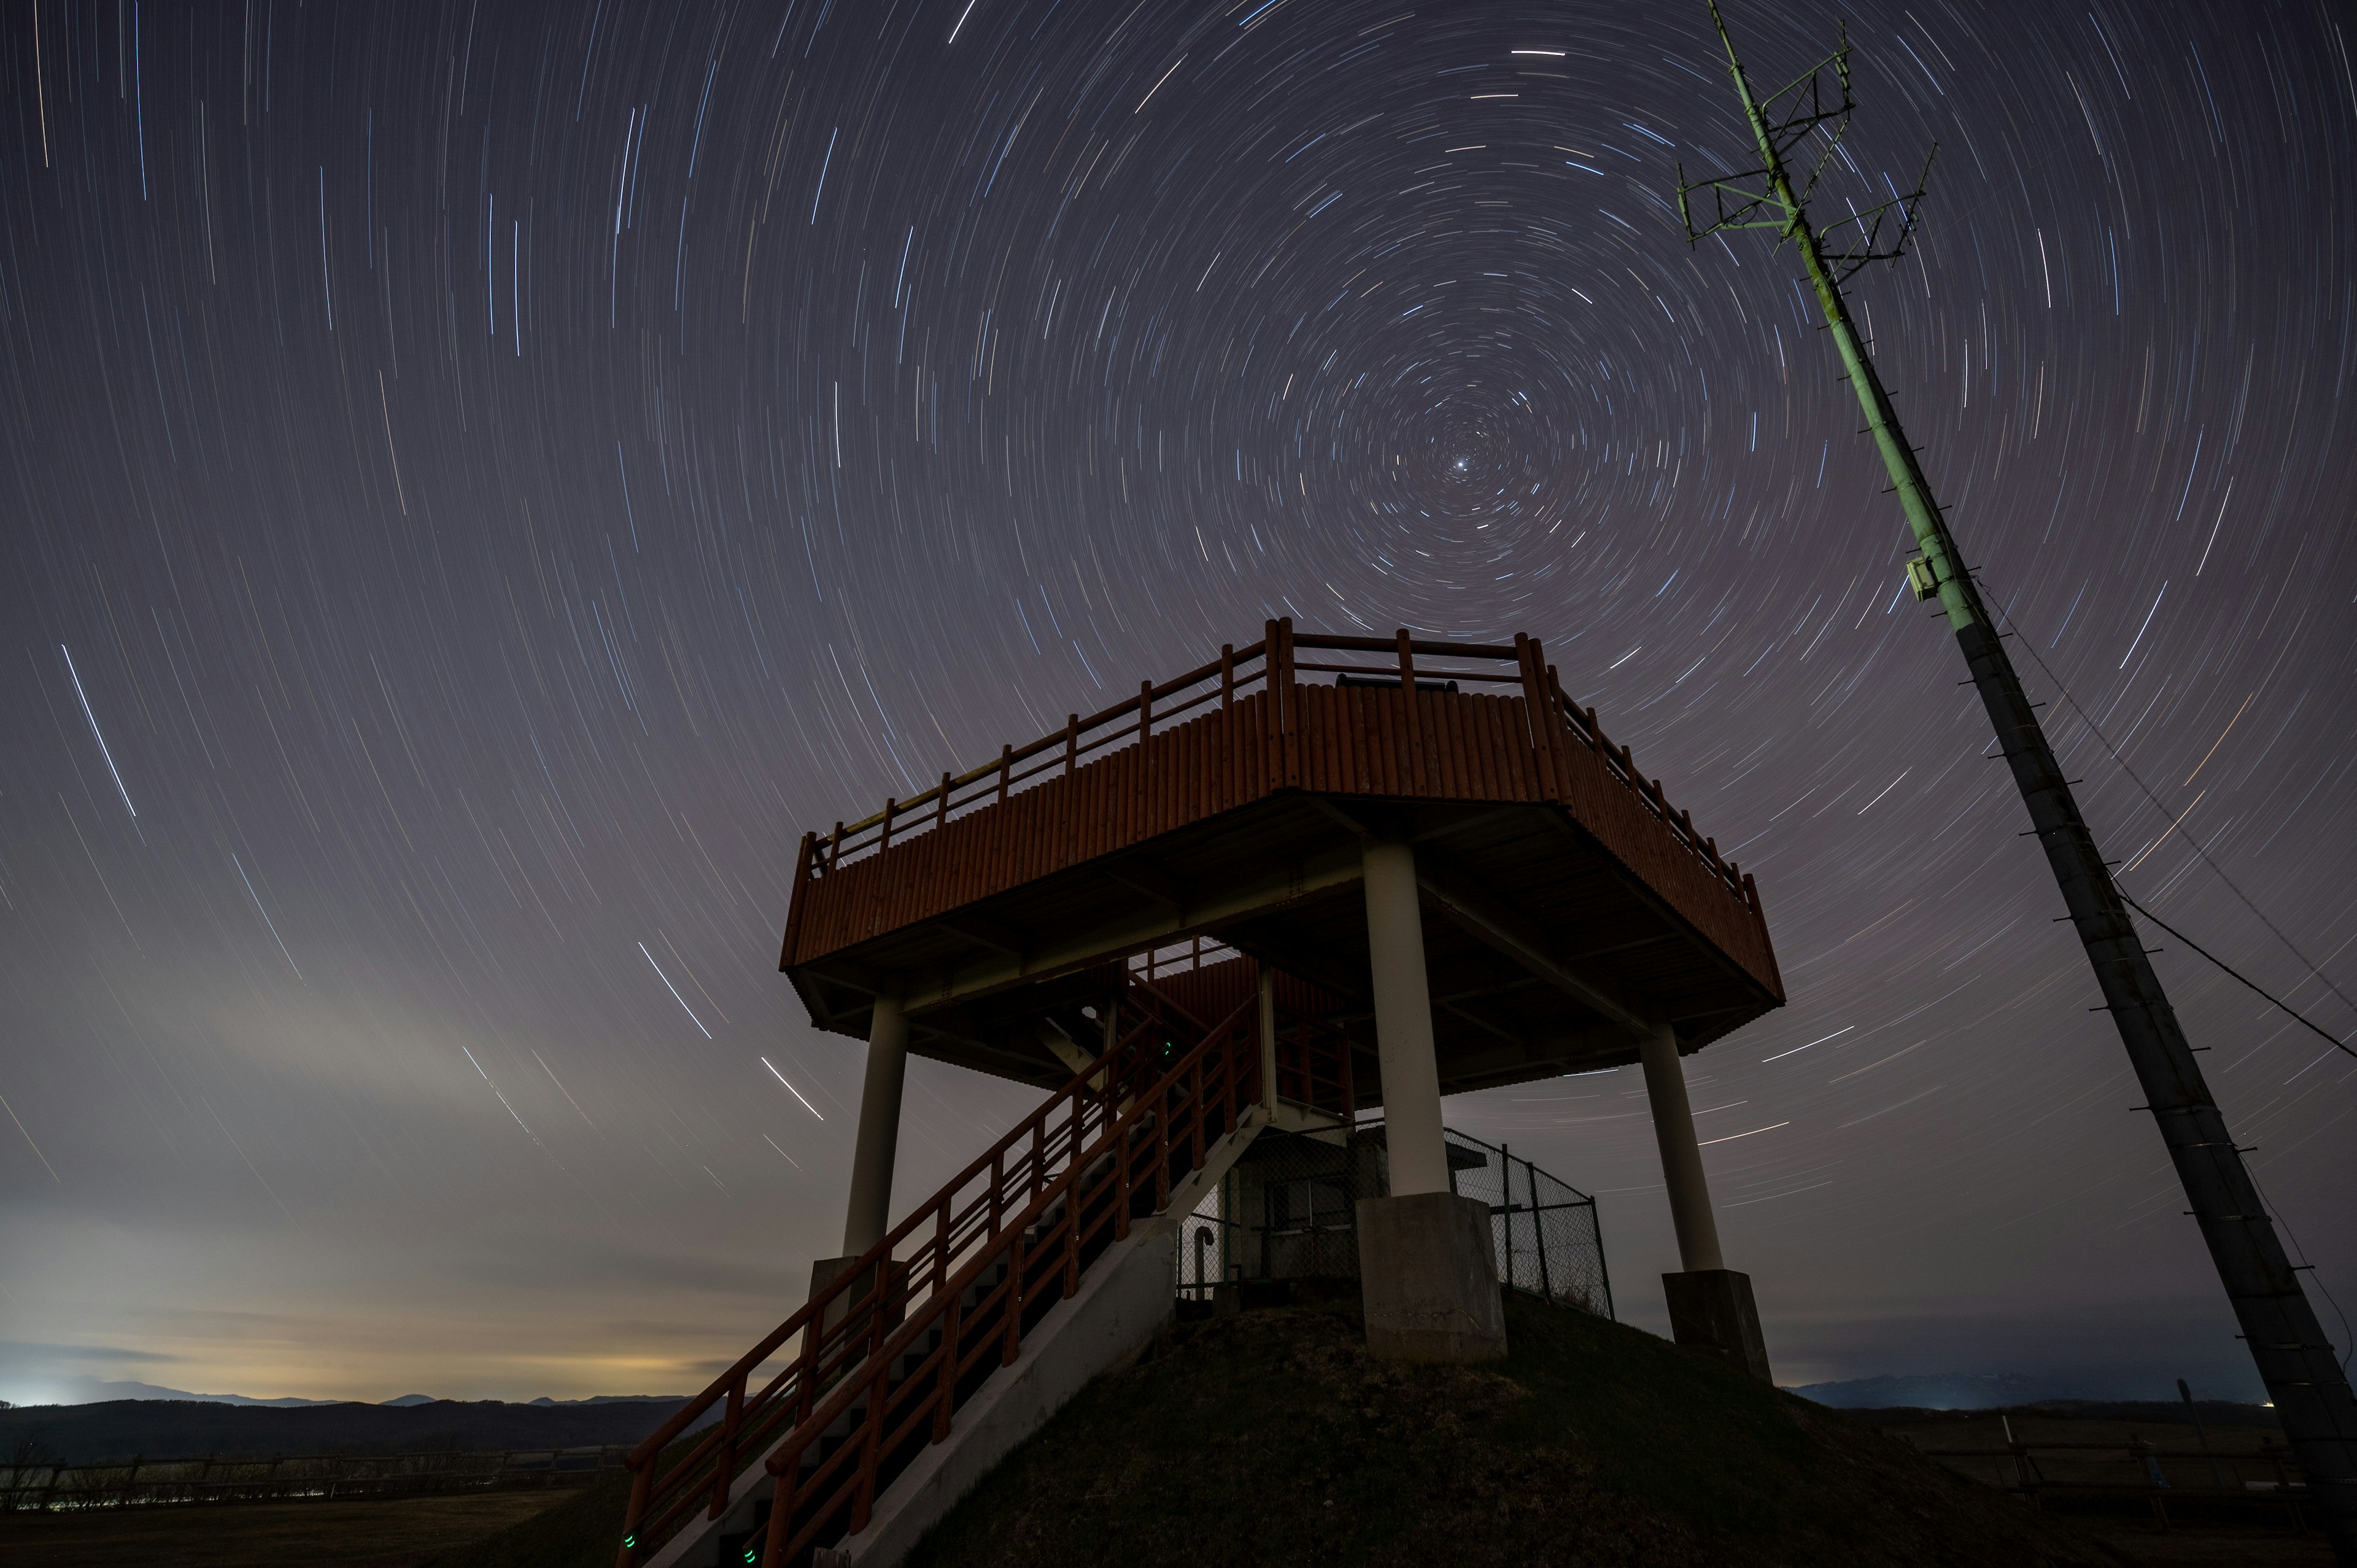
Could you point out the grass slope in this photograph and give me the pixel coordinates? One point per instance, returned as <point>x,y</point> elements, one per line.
<point>582,1531</point>
<point>1274,1438</point>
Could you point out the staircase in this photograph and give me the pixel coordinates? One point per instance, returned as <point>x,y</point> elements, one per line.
<point>932,1321</point>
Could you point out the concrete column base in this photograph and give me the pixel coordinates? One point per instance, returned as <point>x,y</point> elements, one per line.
<point>1711,1310</point>
<point>1429,1279</point>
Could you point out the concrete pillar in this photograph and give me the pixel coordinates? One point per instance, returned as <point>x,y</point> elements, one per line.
<point>869,1213</point>
<point>1665,1090</point>
<point>1711,1307</point>
<point>1419,1158</point>
<point>1426,1274</point>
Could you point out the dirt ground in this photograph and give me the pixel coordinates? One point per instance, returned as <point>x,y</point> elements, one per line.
<point>2251,1530</point>
<point>372,1533</point>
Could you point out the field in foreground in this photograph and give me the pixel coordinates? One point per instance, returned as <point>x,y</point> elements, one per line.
<point>2254,1528</point>
<point>387,1533</point>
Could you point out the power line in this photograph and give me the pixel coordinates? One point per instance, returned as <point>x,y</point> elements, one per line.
<point>2005,612</point>
<point>2229,969</point>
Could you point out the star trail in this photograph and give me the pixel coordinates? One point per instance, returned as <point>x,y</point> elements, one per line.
<point>483,479</point>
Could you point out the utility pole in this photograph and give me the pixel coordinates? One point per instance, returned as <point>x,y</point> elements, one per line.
<point>2311,1395</point>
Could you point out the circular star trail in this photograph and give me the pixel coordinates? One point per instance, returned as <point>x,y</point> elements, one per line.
<point>479,481</point>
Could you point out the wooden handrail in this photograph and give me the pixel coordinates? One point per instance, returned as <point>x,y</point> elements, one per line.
<point>1065,749</point>
<point>1415,645</point>
<point>1076,1091</point>
<point>832,1353</point>
<point>785,1540</point>
<point>1046,742</point>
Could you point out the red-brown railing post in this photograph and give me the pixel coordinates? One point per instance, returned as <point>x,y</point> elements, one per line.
<point>941,1245</point>
<point>1006,770</point>
<point>805,862</point>
<point>942,809</point>
<point>782,1514</point>
<point>1162,1152</point>
<point>835,846</point>
<point>1527,656</point>
<point>723,1462</point>
<point>1272,718</point>
<point>1121,1182</point>
<point>862,1500</point>
<point>636,1514</point>
<point>1015,1264</point>
<point>1557,729</point>
<point>1290,717</point>
<point>1145,709</point>
<point>1195,1135</point>
<point>949,1354</point>
<point>883,835</point>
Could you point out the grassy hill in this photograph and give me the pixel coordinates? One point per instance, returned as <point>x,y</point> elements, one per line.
<point>1274,1438</point>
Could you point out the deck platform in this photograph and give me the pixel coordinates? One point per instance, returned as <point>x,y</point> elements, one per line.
<point>1569,910</point>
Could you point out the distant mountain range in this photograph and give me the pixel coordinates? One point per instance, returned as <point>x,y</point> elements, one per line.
<point>92,1390</point>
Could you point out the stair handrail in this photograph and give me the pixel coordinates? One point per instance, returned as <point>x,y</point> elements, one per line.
<point>784,1542</point>
<point>746,1409</point>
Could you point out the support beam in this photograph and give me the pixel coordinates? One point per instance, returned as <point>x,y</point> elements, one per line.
<point>984,933</point>
<point>1143,879</point>
<point>869,1212</point>
<point>1519,938</point>
<point>1048,955</point>
<point>1665,1090</point>
<point>1419,1157</point>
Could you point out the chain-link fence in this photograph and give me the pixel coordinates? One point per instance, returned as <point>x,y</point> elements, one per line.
<point>1287,1212</point>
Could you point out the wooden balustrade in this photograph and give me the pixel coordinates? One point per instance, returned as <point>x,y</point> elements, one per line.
<point>852,1329</point>
<point>1238,672</point>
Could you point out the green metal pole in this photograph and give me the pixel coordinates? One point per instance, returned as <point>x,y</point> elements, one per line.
<point>2294,1360</point>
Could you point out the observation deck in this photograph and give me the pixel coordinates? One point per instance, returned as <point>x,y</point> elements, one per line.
<point>1569,912</point>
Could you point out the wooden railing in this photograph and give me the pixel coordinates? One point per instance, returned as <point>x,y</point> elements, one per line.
<point>1275,664</point>
<point>1035,1208</point>
<point>1235,673</point>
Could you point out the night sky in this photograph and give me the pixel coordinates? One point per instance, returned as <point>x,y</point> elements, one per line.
<point>477,481</point>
